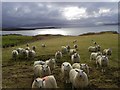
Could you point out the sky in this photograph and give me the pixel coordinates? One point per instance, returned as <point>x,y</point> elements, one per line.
<point>61,14</point>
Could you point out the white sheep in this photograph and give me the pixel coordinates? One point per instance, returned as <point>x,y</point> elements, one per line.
<point>107,51</point>
<point>94,55</point>
<point>85,68</point>
<point>75,46</point>
<point>102,62</point>
<point>43,45</point>
<point>14,54</point>
<point>92,49</point>
<point>72,51</point>
<point>75,58</point>
<point>34,48</point>
<point>19,50</point>
<point>64,50</point>
<point>45,82</point>
<point>41,70</point>
<point>31,54</point>
<point>58,55</point>
<point>76,65</point>
<point>51,63</point>
<point>24,54</point>
<point>39,62</point>
<point>27,48</point>
<point>78,78</point>
<point>65,69</point>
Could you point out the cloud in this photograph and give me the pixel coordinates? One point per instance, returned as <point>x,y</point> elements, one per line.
<point>67,13</point>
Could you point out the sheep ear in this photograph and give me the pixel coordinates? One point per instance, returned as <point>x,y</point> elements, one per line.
<point>76,70</point>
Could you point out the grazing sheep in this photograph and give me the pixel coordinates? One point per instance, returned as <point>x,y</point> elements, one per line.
<point>31,54</point>
<point>85,68</point>
<point>51,63</point>
<point>78,78</point>
<point>65,69</point>
<point>94,55</point>
<point>75,58</point>
<point>76,65</point>
<point>14,54</point>
<point>102,62</point>
<point>34,48</point>
<point>74,41</point>
<point>43,45</point>
<point>64,50</point>
<point>107,51</point>
<point>58,55</point>
<point>72,51</point>
<point>92,49</point>
<point>41,70</point>
<point>45,82</point>
<point>39,63</point>
<point>68,48</point>
<point>75,46</point>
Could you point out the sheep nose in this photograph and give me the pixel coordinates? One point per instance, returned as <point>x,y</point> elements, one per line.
<point>80,75</point>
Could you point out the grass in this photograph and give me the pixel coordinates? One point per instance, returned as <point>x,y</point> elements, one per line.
<point>19,73</point>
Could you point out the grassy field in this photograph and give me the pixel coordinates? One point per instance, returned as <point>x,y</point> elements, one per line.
<point>19,73</point>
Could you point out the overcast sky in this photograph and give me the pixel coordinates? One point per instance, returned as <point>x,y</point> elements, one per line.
<point>58,13</point>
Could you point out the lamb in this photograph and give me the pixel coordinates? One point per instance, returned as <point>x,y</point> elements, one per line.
<point>43,45</point>
<point>72,51</point>
<point>76,65</point>
<point>75,46</point>
<point>68,48</point>
<point>75,58</point>
<point>85,68</point>
<point>45,82</point>
<point>31,54</point>
<point>92,49</point>
<point>102,62</point>
<point>51,63</point>
<point>14,54</point>
<point>64,50</point>
<point>39,62</point>
<point>65,69</point>
<point>58,55</point>
<point>78,78</point>
<point>34,48</point>
<point>94,55</point>
<point>41,70</point>
<point>107,51</point>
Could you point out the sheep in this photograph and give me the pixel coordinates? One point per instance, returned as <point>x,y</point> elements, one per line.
<point>78,78</point>
<point>68,48</point>
<point>27,48</point>
<point>85,68</point>
<point>94,55</point>
<point>75,46</point>
<point>75,58</point>
<point>72,51</point>
<point>39,62</point>
<point>98,47</point>
<point>76,65</point>
<point>31,54</point>
<point>24,54</point>
<point>74,41</point>
<point>19,50</point>
<point>34,48</point>
<point>58,55</point>
<point>65,69</point>
<point>51,63</point>
<point>64,50</point>
<point>41,70</point>
<point>102,62</point>
<point>107,51</point>
<point>92,49</point>
<point>45,82</point>
<point>43,45</point>
<point>14,54</point>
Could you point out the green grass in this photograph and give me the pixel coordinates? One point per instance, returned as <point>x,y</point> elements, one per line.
<point>19,73</point>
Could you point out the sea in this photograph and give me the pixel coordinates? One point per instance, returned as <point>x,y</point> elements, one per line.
<point>64,31</point>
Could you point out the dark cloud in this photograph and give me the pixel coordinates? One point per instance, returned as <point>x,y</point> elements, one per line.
<point>43,14</point>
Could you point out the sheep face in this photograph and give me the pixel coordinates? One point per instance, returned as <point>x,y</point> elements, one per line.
<point>80,73</point>
<point>45,68</point>
<point>39,83</point>
<point>66,67</point>
<point>52,61</point>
